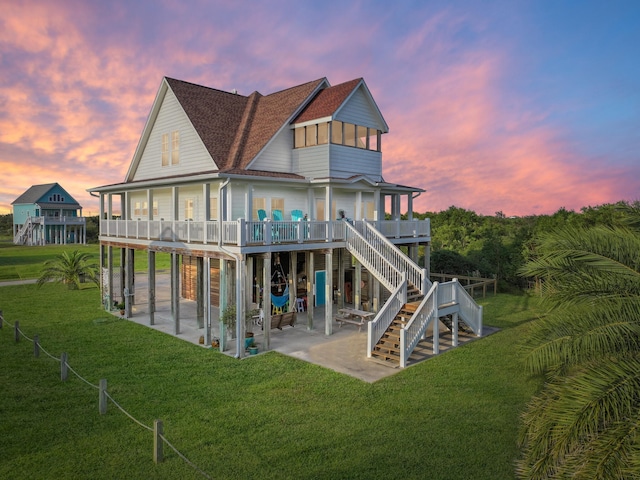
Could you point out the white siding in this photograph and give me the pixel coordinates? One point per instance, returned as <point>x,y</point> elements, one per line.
<point>193,156</point>
<point>311,162</point>
<point>348,161</point>
<point>165,207</point>
<point>277,156</point>
<point>294,199</point>
<point>359,111</point>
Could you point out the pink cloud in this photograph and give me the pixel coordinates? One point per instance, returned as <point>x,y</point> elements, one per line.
<point>77,93</point>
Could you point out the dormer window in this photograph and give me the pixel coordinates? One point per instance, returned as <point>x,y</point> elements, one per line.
<point>311,135</point>
<point>341,133</point>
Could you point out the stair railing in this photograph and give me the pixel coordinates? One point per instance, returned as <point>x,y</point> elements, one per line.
<point>425,315</point>
<point>373,259</point>
<point>379,325</point>
<point>20,237</point>
<point>416,276</point>
<point>470,311</point>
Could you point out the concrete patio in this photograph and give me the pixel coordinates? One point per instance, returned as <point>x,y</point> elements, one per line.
<point>344,351</point>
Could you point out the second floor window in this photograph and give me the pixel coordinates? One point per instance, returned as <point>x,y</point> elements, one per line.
<point>170,148</point>
<point>175,148</point>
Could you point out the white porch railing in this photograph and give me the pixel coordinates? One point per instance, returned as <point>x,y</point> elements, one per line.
<point>424,316</point>
<point>237,232</point>
<point>405,228</point>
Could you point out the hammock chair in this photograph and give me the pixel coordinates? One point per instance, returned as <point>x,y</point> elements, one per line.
<point>280,302</point>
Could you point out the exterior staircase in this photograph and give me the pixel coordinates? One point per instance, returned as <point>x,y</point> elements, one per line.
<point>415,305</point>
<point>387,349</point>
<point>25,234</point>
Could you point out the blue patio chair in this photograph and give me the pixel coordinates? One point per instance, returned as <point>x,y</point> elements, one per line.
<point>296,215</point>
<point>277,215</point>
<point>262,215</point>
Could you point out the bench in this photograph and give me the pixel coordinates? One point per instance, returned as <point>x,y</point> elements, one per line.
<point>359,321</point>
<point>283,319</point>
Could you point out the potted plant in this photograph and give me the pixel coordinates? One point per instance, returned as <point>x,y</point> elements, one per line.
<point>229,319</point>
<point>120,306</point>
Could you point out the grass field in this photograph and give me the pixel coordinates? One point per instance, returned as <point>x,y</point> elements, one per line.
<point>269,416</point>
<point>19,262</point>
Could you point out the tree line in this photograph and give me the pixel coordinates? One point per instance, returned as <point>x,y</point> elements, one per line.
<point>466,243</point>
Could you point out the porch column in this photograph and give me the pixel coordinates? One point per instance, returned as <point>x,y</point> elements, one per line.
<point>327,213</point>
<point>151,286</point>
<point>358,212</point>
<point>266,300</point>
<point>427,257</point>
<point>200,293</point>
<point>149,211</point>
<point>240,306</point>
<point>374,295</point>
<point>207,300</point>
<point>223,304</point>
<point>110,275</point>
<point>293,284</point>
<point>103,294</point>
<point>175,292</point>
<point>206,198</point>
<point>328,307</point>
<point>357,286</point>
<point>175,214</point>
<point>341,297</point>
<point>378,212</point>
<point>130,299</point>
<point>123,276</point>
<point>310,272</point>
<point>410,206</point>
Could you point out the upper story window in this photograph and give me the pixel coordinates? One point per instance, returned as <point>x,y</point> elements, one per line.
<point>175,147</point>
<point>170,148</point>
<point>341,133</point>
<point>311,135</point>
<point>56,197</point>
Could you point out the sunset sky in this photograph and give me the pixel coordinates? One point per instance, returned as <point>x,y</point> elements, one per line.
<point>515,106</point>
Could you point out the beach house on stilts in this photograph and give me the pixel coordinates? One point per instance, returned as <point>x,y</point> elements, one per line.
<point>277,201</point>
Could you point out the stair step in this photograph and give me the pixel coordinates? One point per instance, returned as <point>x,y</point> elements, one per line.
<point>387,363</point>
<point>385,356</point>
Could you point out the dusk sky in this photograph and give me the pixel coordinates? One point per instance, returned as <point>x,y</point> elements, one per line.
<point>515,106</point>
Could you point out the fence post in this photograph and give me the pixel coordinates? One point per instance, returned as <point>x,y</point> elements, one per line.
<point>157,441</point>
<point>63,367</point>
<point>102,402</point>
<point>16,331</point>
<point>36,346</point>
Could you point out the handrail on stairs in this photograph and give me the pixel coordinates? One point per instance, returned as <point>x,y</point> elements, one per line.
<point>426,314</point>
<point>416,275</point>
<point>385,316</point>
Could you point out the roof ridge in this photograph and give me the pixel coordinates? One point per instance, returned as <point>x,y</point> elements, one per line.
<point>203,86</point>
<point>237,148</point>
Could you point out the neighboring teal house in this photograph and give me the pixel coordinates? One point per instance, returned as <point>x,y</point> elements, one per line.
<point>47,214</point>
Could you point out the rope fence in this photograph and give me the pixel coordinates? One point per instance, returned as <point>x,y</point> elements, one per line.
<point>157,429</point>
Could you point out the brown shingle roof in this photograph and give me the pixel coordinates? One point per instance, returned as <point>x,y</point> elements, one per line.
<point>327,101</point>
<point>235,128</point>
<point>216,115</point>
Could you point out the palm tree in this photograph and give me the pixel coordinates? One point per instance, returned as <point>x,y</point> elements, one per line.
<point>69,268</point>
<point>585,421</point>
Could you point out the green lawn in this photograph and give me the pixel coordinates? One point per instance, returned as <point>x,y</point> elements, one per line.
<point>269,416</point>
<point>19,262</point>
